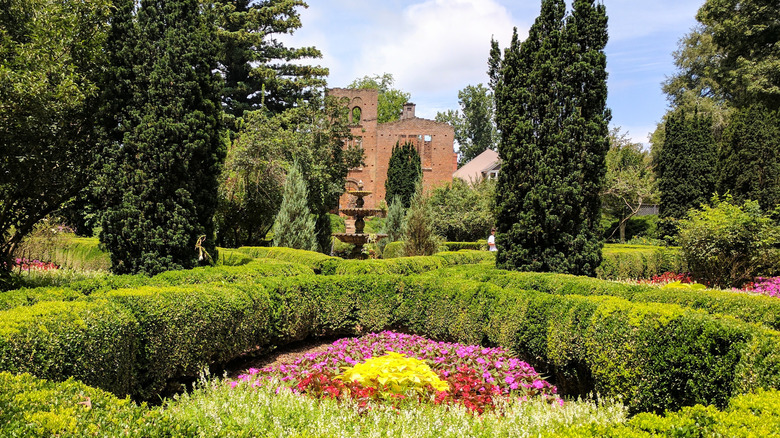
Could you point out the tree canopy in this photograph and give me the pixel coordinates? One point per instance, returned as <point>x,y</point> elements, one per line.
<point>163,145</point>
<point>51,56</point>
<point>259,71</point>
<point>474,125</point>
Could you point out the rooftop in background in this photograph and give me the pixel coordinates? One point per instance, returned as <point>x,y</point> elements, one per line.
<point>485,165</point>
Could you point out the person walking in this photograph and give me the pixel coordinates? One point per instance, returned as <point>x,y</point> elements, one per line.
<point>492,240</point>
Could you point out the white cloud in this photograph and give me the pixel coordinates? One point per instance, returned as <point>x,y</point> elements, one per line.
<point>436,45</point>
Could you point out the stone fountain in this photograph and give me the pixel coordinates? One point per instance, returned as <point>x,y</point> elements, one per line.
<point>358,238</point>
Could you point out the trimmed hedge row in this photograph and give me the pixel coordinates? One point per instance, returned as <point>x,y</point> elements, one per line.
<point>656,356</point>
<point>479,245</point>
<point>32,407</point>
<point>747,307</point>
<point>28,297</point>
<point>639,261</point>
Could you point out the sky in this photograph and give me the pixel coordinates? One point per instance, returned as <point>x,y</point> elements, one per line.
<point>434,48</point>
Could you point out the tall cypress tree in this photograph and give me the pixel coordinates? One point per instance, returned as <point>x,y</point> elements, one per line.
<point>551,112</point>
<point>750,156</point>
<point>403,172</point>
<point>164,149</point>
<point>685,167</point>
<point>587,126</point>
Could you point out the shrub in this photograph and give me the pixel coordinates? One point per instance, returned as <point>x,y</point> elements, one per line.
<point>639,261</point>
<point>393,250</point>
<point>420,236</point>
<point>96,342</point>
<point>464,212</point>
<point>480,245</point>
<point>33,407</point>
<point>727,245</point>
<point>294,226</point>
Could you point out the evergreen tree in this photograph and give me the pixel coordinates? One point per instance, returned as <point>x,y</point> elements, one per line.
<point>163,149</point>
<point>750,156</point>
<point>685,168</point>
<point>551,112</point>
<point>294,226</point>
<point>394,225</point>
<point>403,172</point>
<point>259,71</point>
<point>420,238</point>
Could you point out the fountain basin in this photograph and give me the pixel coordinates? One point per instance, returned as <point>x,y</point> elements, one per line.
<point>357,239</point>
<point>363,212</point>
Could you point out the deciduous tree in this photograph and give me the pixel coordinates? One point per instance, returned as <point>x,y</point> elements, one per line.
<point>391,100</point>
<point>51,53</point>
<point>474,125</point>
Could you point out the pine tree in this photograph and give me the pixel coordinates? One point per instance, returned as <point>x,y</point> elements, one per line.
<point>294,226</point>
<point>163,149</point>
<point>420,238</point>
<point>258,69</point>
<point>551,112</point>
<point>750,156</point>
<point>404,170</point>
<point>685,168</point>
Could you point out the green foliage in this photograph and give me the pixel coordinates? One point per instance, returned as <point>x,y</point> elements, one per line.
<point>639,262</point>
<point>420,236</point>
<point>394,225</point>
<point>728,244</point>
<point>33,407</point>
<point>393,250</point>
<point>480,245</point>
<point>260,72</point>
<point>749,156</point>
<point>391,100</point>
<point>474,125</point>
<point>746,34</point>
<point>294,226</point>
<point>52,53</point>
<point>95,342</point>
<point>685,168</point>
<point>463,212</point>
<point>630,181</point>
<point>548,205</point>
<point>404,170</point>
<point>314,135</point>
<point>636,228</point>
<point>164,151</point>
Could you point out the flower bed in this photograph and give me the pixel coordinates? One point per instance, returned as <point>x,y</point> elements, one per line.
<point>396,368</point>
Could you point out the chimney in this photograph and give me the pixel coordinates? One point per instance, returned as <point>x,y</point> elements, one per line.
<point>408,112</point>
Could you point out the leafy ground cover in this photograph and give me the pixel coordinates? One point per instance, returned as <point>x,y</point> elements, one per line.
<point>402,368</point>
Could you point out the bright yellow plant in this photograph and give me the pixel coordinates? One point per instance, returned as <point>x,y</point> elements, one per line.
<point>394,372</point>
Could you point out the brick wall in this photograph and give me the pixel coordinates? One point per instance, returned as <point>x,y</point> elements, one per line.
<point>433,140</point>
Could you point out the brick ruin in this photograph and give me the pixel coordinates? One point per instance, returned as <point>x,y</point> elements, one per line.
<point>433,140</point>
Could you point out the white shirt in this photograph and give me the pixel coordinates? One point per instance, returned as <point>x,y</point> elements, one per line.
<point>492,243</point>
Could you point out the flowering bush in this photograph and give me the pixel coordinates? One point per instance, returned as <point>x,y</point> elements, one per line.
<point>466,374</point>
<point>766,286</point>
<point>27,265</point>
<point>396,373</point>
<point>669,277</point>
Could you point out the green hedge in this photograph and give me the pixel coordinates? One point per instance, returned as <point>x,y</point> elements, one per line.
<point>479,245</point>
<point>747,307</point>
<point>96,342</point>
<point>183,330</point>
<point>657,356</point>
<point>320,263</point>
<point>639,261</point>
<point>32,407</point>
<point>30,296</point>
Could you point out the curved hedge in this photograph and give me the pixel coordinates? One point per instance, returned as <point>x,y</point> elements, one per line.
<point>748,307</point>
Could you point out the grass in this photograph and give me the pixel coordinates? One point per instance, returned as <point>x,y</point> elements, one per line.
<point>214,409</point>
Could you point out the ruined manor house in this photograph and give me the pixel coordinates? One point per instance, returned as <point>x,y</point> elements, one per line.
<point>433,140</point>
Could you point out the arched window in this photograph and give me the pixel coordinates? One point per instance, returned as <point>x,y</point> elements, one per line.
<point>357,112</point>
